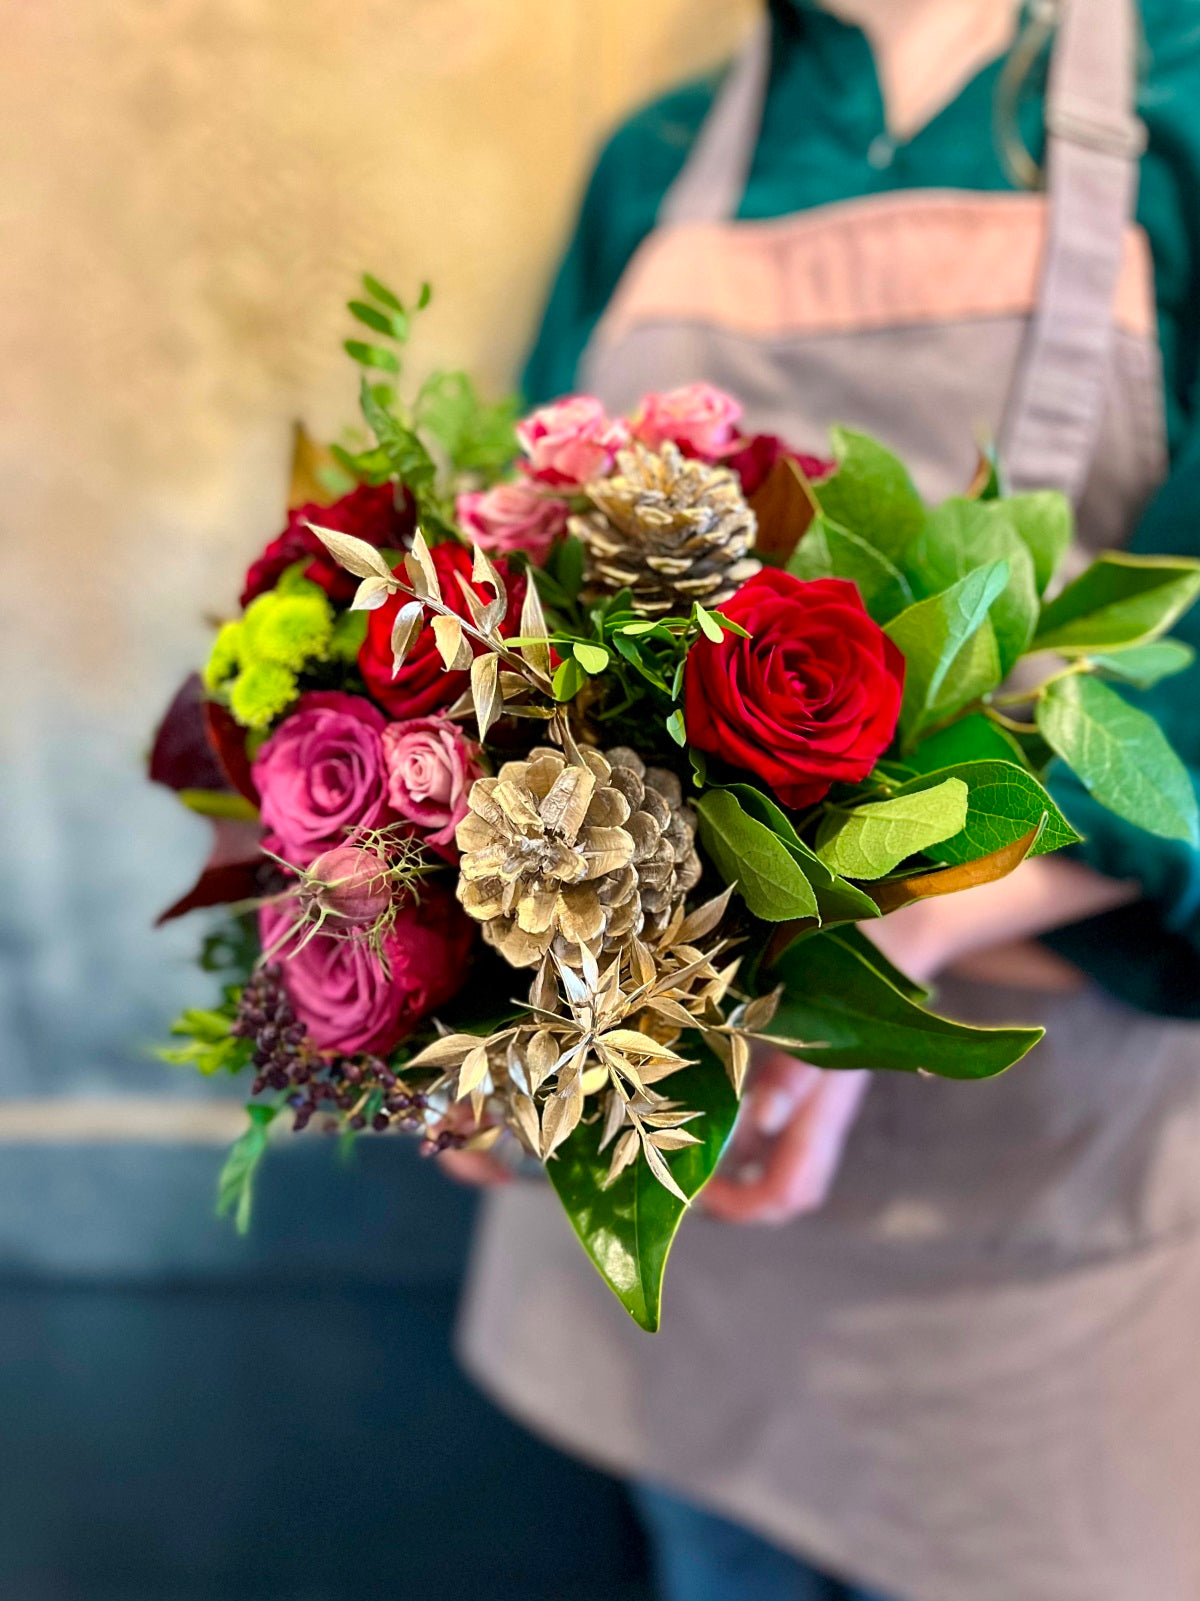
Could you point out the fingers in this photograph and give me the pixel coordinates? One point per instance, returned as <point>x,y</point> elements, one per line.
<point>805,1114</point>
<point>476,1168</point>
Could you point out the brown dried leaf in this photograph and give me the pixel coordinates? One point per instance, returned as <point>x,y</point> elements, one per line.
<point>626,1150</point>
<point>614,1118</point>
<point>408,624</point>
<point>422,574</point>
<point>560,1116</point>
<point>473,1071</point>
<point>891,894</point>
<point>354,554</point>
<point>485,1139</point>
<point>630,1039</point>
<point>661,1171</point>
<point>784,506</point>
<point>739,1061</point>
<point>673,1139</point>
<point>455,652</point>
<point>704,919</point>
<point>449,1051</point>
<point>536,649</point>
<point>485,691</point>
<point>373,592</point>
<point>524,1118</point>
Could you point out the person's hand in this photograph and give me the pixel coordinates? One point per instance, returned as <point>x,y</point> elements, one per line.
<point>476,1168</point>
<point>788,1141</point>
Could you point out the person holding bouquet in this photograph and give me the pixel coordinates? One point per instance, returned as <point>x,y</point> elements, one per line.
<point>961,1365</point>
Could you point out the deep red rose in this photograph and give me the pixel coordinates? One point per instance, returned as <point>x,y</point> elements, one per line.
<point>423,684</point>
<point>753,458</point>
<point>369,512</point>
<point>810,699</point>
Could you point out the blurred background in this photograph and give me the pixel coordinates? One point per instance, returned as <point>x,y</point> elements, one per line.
<point>188,190</point>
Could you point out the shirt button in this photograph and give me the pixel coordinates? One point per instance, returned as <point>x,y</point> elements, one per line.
<point>881,152</point>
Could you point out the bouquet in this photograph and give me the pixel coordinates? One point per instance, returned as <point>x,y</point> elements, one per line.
<point>554,762</point>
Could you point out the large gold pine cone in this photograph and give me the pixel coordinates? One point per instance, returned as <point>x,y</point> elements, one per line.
<point>671,529</point>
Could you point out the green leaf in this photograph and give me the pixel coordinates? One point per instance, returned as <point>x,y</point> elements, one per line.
<point>874,957</point>
<point>837,901</point>
<point>1004,802</point>
<point>1120,755</point>
<point>973,738</point>
<point>873,839</point>
<point>1119,600</point>
<point>747,853</point>
<point>835,995</point>
<point>1144,665</point>
<point>371,355</point>
<point>567,565</point>
<point>628,1230</point>
<point>730,627</point>
<point>1045,522</point>
<point>380,291</point>
<point>829,551</point>
<point>709,626</point>
<point>218,803</point>
<point>951,660</point>
<point>962,535</point>
<point>478,438</point>
<point>677,728</point>
<point>569,679</point>
<point>592,658</point>
<point>393,324</point>
<point>871,493</point>
<point>235,1186</point>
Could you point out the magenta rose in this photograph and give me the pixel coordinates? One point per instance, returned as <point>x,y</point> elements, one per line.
<point>698,418</point>
<point>321,775</point>
<point>571,441</point>
<point>512,517</point>
<point>431,765</point>
<point>754,458</point>
<point>342,993</point>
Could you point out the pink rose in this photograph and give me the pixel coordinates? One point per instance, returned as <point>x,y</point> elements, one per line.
<point>512,517</point>
<point>431,765</point>
<point>753,459</point>
<point>571,441</point>
<point>321,775</point>
<point>697,418</point>
<point>341,992</point>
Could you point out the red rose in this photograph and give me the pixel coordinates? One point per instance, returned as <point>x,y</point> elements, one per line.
<point>423,684</point>
<point>810,699</point>
<point>369,512</point>
<point>753,458</point>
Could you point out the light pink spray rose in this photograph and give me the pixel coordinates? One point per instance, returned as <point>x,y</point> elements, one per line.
<point>512,517</point>
<point>431,765</point>
<point>571,441</point>
<point>321,775</point>
<point>342,994</point>
<point>699,419</point>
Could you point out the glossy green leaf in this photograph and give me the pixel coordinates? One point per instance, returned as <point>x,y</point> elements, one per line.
<point>1144,665</point>
<point>874,957</point>
<point>962,535</point>
<point>569,679</point>
<point>834,994</point>
<point>872,839</point>
<point>973,738</point>
<point>235,1185</point>
<point>1045,522</point>
<point>837,901</point>
<point>950,659</point>
<point>1120,755</point>
<point>871,493</point>
<point>592,658</point>
<point>1004,801</point>
<point>747,853</point>
<point>830,551</point>
<point>628,1230</point>
<point>1119,600</point>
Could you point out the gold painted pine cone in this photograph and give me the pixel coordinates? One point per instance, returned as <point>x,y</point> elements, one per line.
<point>672,529</point>
<point>560,855</point>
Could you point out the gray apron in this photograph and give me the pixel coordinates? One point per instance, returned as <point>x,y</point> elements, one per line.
<point>975,1374</point>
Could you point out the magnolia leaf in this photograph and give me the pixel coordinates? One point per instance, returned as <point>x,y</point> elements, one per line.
<point>535,646</point>
<point>1046,524</point>
<point>833,993</point>
<point>455,651</point>
<point>627,1230</point>
<point>871,494</point>
<point>1144,665</point>
<point>1004,801</point>
<point>422,574</point>
<point>946,666</point>
<point>1120,756</point>
<point>960,536</point>
<point>473,1071</point>
<point>355,555</point>
<point>1119,600</point>
<point>970,739</point>
<point>829,551</point>
<point>405,628</point>
<point>890,894</point>
<point>874,838</point>
<point>837,900</point>
<point>756,861</point>
<point>783,506</point>
<point>485,691</point>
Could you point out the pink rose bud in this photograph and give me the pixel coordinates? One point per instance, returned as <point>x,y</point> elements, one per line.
<point>431,765</point>
<point>698,418</point>
<point>351,882</point>
<point>512,517</point>
<point>571,441</point>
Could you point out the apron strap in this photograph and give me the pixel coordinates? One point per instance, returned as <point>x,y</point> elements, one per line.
<point>713,180</point>
<point>1093,142</point>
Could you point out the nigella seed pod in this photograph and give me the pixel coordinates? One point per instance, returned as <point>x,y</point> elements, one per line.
<point>351,882</point>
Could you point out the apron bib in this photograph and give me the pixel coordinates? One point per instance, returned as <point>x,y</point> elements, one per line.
<point>918,1386</point>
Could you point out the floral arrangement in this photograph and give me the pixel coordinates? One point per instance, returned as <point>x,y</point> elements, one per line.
<point>553,762</point>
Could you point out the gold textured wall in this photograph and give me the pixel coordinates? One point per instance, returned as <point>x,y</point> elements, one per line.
<point>188,189</point>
